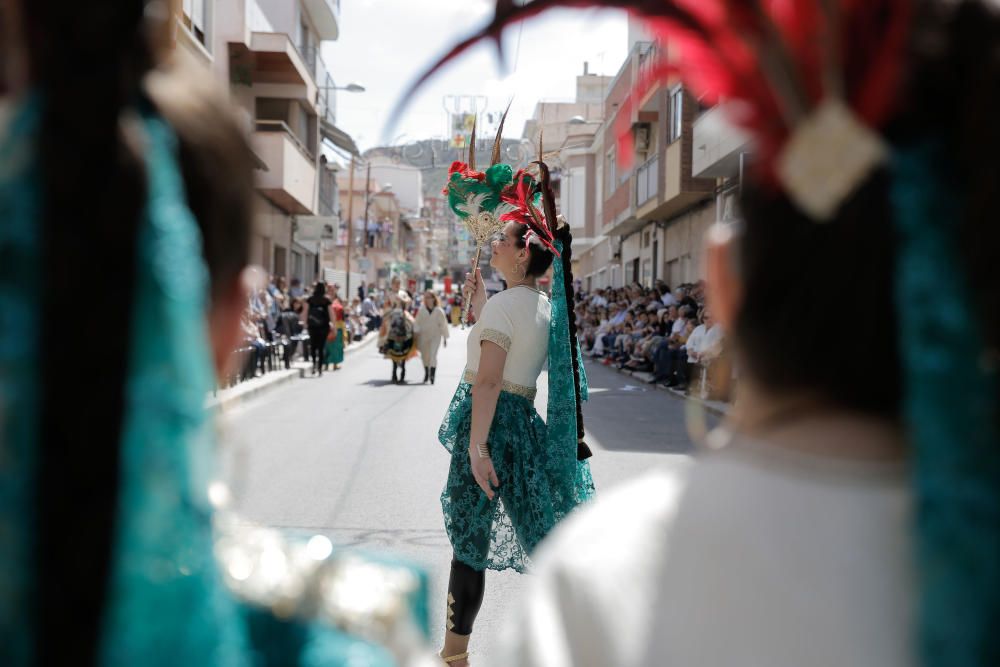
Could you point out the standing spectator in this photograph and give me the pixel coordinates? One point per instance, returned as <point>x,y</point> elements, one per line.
<point>319,315</point>
<point>337,337</point>
<point>296,291</point>
<point>370,314</point>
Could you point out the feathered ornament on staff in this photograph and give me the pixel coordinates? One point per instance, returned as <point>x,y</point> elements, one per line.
<point>475,196</point>
<point>523,197</point>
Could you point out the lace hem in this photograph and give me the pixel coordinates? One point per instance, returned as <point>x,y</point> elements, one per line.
<point>537,487</point>
<point>494,336</point>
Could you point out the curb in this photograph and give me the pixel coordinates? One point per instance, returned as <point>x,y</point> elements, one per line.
<point>240,393</point>
<point>710,407</point>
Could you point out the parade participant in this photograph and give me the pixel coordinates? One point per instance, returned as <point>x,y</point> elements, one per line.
<point>456,311</point>
<point>319,316</point>
<point>431,330</point>
<point>512,477</point>
<point>107,552</point>
<point>396,335</point>
<point>849,511</point>
<point>337,337</point>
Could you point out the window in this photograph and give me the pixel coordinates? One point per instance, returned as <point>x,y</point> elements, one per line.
<point>676,114</point>
<point>194,16</point>
<point>611,174</point>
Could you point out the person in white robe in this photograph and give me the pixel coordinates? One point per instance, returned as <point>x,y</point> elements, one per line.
<point>432,331</point>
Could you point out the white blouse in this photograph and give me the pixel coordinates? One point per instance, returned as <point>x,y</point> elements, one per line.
<point>517,320</point>
<point>749,557</point>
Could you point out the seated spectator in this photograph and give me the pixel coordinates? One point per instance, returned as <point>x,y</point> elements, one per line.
<point>252,337</point>
<point>288,325</point>
<point>670,358</point>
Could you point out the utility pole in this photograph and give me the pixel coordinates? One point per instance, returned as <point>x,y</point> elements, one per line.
<point>368,182</point>
<point>350,228</point>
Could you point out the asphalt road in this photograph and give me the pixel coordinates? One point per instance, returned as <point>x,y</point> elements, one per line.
<point>353,457</point>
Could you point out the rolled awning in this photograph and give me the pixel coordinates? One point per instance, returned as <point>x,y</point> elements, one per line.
<point>338,137</point>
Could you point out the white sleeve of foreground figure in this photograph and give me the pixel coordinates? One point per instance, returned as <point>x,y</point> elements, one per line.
<point>589,599</point>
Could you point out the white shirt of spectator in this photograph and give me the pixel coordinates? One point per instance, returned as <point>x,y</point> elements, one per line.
<point>668,299</point>
<point>678,327</point>
<point>705,342</point>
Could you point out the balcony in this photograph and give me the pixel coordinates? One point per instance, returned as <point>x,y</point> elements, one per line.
<point>290,179</point>
<point>646,181</point>
<point>326,17</point>
<point>717,145</point>
<point>272,58</point>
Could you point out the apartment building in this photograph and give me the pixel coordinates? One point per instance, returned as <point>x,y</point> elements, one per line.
<point>643,214</point>
<point>568,131</point>
<point>268,52</point>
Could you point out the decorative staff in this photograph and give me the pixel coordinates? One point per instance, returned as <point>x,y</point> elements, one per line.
<point>475,196</point>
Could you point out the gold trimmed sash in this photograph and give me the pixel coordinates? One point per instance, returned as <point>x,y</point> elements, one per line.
<point>509,387</point>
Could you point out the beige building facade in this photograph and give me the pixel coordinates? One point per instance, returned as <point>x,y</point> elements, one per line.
<point>267,52</point>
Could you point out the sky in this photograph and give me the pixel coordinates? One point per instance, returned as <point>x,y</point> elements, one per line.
<point>385,44</point>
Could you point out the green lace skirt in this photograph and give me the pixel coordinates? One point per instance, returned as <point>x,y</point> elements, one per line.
<point>538,487</point>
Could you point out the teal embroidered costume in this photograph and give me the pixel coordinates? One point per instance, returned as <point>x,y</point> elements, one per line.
<point>541,476</point>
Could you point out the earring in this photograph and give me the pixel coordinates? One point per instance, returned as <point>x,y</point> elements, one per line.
<point>524,272</point>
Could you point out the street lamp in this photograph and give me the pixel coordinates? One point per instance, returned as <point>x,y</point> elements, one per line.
<point>351,88</point>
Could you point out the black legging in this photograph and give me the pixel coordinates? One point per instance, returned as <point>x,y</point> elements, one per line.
<point>317,347</point>
<point>466,587</point>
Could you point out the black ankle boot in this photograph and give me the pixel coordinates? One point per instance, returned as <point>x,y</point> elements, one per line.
<point>394,380</point>
<point>427,374</point>
<point>433,373</point>
<point>402,373</point>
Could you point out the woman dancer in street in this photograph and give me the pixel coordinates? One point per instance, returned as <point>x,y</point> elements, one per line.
<point>397,335</point>
<point>512,476</point>
<point>432,330</point>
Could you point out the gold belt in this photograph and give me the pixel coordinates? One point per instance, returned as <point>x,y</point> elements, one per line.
<point>509,387</point>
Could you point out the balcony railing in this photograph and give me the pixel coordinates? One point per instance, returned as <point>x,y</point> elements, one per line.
<point>327,98</point>
<point>648,54</point>
<point>646,178</point>
<point>326,94</point>
<point>281,126</point>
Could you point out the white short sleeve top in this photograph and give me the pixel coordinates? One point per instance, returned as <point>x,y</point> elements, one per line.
<point>517,320</point>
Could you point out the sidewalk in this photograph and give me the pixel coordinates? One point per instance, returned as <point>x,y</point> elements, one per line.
<point>719,408</point>
<point>227,398</point>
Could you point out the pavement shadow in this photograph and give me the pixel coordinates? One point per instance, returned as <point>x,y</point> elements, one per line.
<point>379,383</point>
<point>625,414</point>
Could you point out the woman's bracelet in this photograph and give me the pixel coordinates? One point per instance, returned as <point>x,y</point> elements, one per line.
<point>484,450</point>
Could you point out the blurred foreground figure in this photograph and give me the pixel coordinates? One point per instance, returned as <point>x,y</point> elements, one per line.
<point>849,512</point>
<point>109,160</point>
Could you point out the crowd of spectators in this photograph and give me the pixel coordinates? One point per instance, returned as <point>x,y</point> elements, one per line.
<point>273,322</point>
<point>668,334</point>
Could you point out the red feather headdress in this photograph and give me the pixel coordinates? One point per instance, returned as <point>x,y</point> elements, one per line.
<point>522,195</point>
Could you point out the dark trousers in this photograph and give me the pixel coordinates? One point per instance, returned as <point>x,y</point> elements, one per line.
<point>671,363</point>
<point>317,348</point>
<point>290,346</point>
